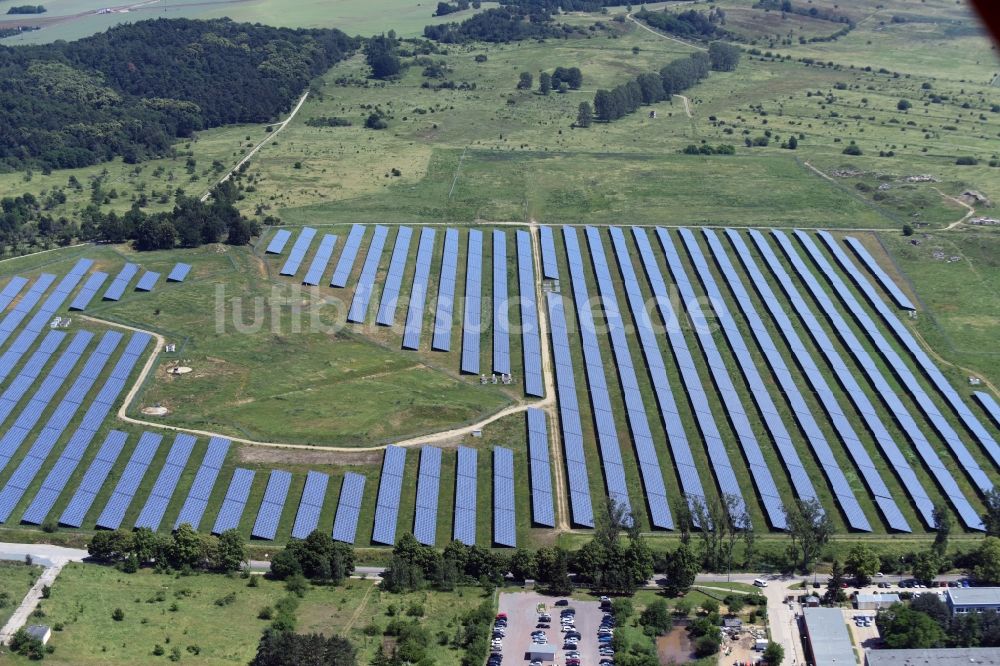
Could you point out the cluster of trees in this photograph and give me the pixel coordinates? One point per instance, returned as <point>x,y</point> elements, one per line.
<point>691,24</point>
<point>509,23</point>
<point>317,557</point>
<point>284,648</point>
<point>27,9</point>
<point>927,623</point>
<point>134,89</point>
<point>608,564</point>
<point>382,55</point>
<point>184,550</point>
<point>563,79</point>
<point>328,121</point>
<point>651,88</point>
<point>415,565</point>
<point>705,149</point>
<point>445,8</point>
<point>787,7</point>
<point>723,57</point>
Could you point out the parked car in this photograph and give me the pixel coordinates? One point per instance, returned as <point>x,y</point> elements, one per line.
<point>562,602</point>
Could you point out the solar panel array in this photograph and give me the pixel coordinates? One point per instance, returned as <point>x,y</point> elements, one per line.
<point>366,283</point>
<point>345,264</point>
<point>669,414</point>
<point>310,505</point>
<point>322,257</point>
<point>114,511</point>
<point>345,524</point>
<point>465,496</point>
<point>156,504</point>
<point>540,468</point>
<point>550,265</point>
<point>501,313</point>
<point>25,379</point>
<point>428,486</point>
<point>394,279</point>
<point>88,291</point>
<point>504,527</point>
<point>11,290</point>
<point>277,243</point>
<point>204,480</point>
<point>93,479</point>
<point>235,501</point>
<point>472,321</point>
<point>418,292</point>
<point>901,299</point>
<point>600,399</point>
<point>903,334</point>
<point>298,251</point>
<point>12,320</point>
<point>990,405</point>
<point>147,281</point>
<point>389,488</point>
<point>531,340</point>
<point>120,283</point>
<point>269,514</point>
<point>569,415</point>
<point>446,293</point>
<point>179,272</point>
<point>642,436</point>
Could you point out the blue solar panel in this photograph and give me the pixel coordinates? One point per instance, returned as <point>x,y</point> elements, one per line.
<point>990,405</point>
<point>277,243</point>
<point>389,488</point>
<point>25,379</point>
<point>393,281</point>
<point>320,260</point>
<point>550,266</point>
<point>310,505</point>
<point>418,292</point>
<point>235,501</point>
<point>11,290</point>
<point>369,271</point>
<point>345,525</point>
<point>446,293</point>
<point>531,342</point>
<point>147,281</point>
<point>298,252</point>
<point>901,299</point>
<point>269,514</point>
<point>197,499</point>
<point>93,479</point>
<point>504,525</point>
<point>120,283</point>
<point>179,273</point>
<point>465,496</point>
<point>114,511</point>
<point>541,470</point>
<point>569,415</point>
<point>346,262</point>
<point>156,505</point>
<point>501,304</point>
<point>471,324</point>
<point>12,320</point>
<point>88,291</point>
<point>428,485</point>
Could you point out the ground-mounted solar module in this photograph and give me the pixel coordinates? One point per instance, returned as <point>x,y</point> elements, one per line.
<point>320,260</point>
<point>366,283</point>
<point>345,264</point>
<point>466,473</point>
<point>12,320</point>
<point>504,524</point>
<point>204,481</point>
<point>298,251</point>
<point>121,281</point>
<point>550,265</point>
<point>386,315</point>
<point>310,504</point>
<point>901,299</point>
<point>540,469</point>
<point>147,282</point>
<point>990,405</point>
<point>345,524</point>
<point>30,371</point>
<point>11,290</point>
<point>501,304</point>
<point>471,321</point>
<point>235,501</point>
<point>389,488</point>
<point>277,244</point>
<point>265,526</point>
<point>88,291</point>
<point>428,486</point>
<point>418,292</point>
<point>179,272</point>
<point>163,489</point>
<point>531,340</point>
<point>93,479</point>
<point>444,312</point>
<point>114,511</point>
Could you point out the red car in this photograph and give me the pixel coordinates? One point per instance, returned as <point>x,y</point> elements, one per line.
<point>501,616</point>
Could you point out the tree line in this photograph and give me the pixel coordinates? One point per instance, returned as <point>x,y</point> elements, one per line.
<point>509,23</point>
<point>651,88</point>
<point>27,9</point>
<point>691,24</point>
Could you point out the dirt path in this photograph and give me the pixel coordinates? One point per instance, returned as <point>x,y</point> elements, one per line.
<point>970,210</point>
<point>814,169</point>
<point>661,35</point>
<point>361,607</point>
<point>30,601</point>
<point>687,105</point>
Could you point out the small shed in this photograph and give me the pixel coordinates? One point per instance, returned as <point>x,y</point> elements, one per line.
<point>544,652</point>
<point>811,601</point>
<point>732,623</point>
<point>875,601</point>
<point>39,631</point>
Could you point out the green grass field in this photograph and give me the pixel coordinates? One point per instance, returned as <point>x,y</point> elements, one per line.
<point>16,578</point>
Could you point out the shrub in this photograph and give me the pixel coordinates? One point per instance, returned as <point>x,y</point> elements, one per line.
<point>852,149</point>
<point>158,650</point>
<point>966,160</point>
<point>118,615</point>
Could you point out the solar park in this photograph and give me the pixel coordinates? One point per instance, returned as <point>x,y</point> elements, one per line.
<point>684,365</point>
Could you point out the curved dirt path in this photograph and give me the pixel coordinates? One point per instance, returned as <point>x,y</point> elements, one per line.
<point>970,210</point>
<point>661,35</point>
<point>687,105</point>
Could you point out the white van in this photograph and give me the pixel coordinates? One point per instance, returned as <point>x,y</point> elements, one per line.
<point>760,582</point>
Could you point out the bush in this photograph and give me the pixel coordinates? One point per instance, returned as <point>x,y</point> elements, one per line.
<point>158,650</point>
<point>375,122</point>
<point>265,613</point>
<point>706,646</point>
<point>118,615</point>
<point>965,160</point>
<point>852,149</point>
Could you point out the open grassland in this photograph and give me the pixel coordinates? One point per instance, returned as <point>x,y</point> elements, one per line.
<point>16,578</point>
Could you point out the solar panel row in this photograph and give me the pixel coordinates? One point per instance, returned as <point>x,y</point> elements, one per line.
<point>540,469</point>
<point>389,488</point>
<point>156,504</point>
<point>990,405</point>
<point>179,272</point>
<point>120,283</point>
<point>269,514</point>
<point>345,524</point>
<point>11,290</point>
<point>310,505</point>
<point>501,314</point>
<point>88,291</point>
<point>550,265</point>
<point>903,334</point>
<point>569,415</point>
<point>298,252</point>
<point>277,243</point>
<point>12,320</point>
<point>418,292</point>
<point>446,292</point>
<point>114,511</point>
<point>504,527</point>
<point>642,436</point>
<point>93,479</point>
<point>147,281</point>
<point>204,480</point>
<point>25,379</point>
<point>322,257</point>
<point>471,323</point>
<point>902,300</point>
<point>345,264</point>
<point>235,501</point>
<point>428,486</point>
<point>680,447</point>
<point>386,315</point>
<point>366,283</point>
<point>465,496</point>
<point>531,340</point>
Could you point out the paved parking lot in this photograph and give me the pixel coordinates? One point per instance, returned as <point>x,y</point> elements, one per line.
<point>522,617</point>
<point>863,637</point>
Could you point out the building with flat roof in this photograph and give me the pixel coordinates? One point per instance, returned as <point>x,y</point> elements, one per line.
<point>938,657</point>
<point>973,599</point>
<point>825,636</point>
<point>875,601</point>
